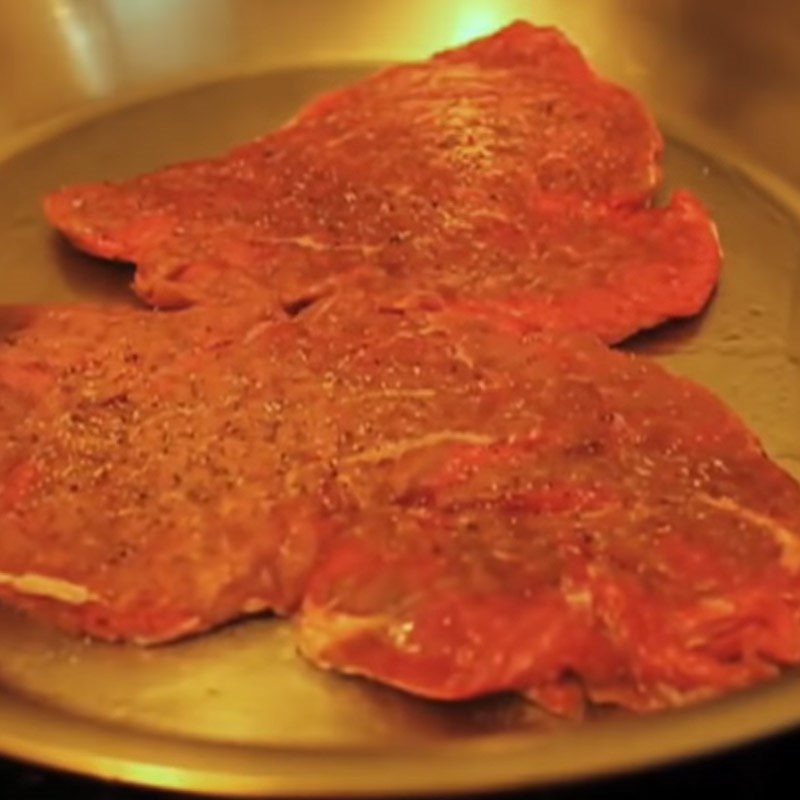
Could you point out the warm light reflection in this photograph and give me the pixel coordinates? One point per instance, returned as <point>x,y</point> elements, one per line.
<point>479,19</point>
<point>86,39</point>
<point>163,36</point>
<point>156,775</point>
<point>446,24</point>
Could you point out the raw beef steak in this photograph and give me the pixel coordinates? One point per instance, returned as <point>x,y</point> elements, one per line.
<point>460,509</point>
<point>607,531</point>
<point>143,488</point>
<point>504,172</point>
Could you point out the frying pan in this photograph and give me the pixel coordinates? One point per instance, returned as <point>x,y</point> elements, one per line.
<point>108,88</point>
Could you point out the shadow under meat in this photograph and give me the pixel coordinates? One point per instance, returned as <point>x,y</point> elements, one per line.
<point>669,337</point>
<point>93,279</point>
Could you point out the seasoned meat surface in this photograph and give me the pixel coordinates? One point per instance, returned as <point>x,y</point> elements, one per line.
<point>624,540</point>
<point>504,174</point>
<point>456,508</point>
<point>144,491</point>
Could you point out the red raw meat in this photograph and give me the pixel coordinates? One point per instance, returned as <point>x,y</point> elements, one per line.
<point>460,509</point>
<point>504,173</point>
<point>141,495</point>
<point>620,537</point>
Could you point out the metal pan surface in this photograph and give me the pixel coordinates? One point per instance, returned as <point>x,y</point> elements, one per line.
<point>237,712</point>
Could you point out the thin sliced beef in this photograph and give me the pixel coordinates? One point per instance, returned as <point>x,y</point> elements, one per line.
<point>605,531</point>
<point>460,509</point>
<point>504,172</point>
<point>144,488</point>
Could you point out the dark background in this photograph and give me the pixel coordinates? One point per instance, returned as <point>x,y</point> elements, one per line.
<point>765,770</point>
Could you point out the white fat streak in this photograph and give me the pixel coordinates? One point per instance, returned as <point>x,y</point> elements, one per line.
<point>254,605</point>
<point>322,630</point>
<point>402,446</point>
<point>410,393</point>
<point>310,243</point>
<point>45,586</point>
<point>184,628</point>
<point>319,630</point>
<point>580,598</point>
<point>787,540</point>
